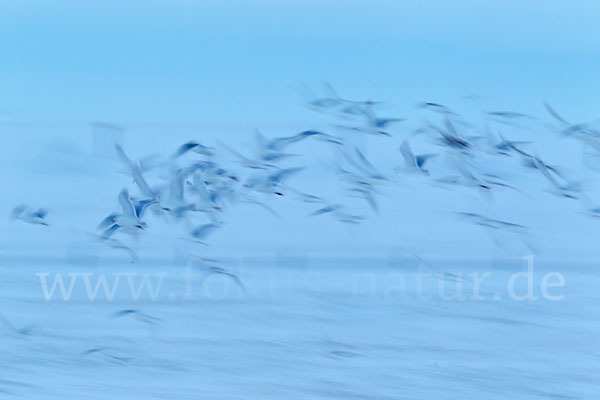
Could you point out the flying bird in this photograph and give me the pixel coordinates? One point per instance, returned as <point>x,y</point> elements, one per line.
<point>31,216</point>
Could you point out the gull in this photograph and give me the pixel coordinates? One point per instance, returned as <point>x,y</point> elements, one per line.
<point>495,225</point>
<point>422,264</point>
<point>587,135</point>
<point>203,231</point>
<point>271,150</point>
<point>355,108</point>
<point>248,162</point>
<point>212,173</point>
<point>307,198</point>
<point>492,223</point>
<point>436,107</point>
<point>367,195</point>
<point>214,267</point>
<point>194,147</point>
<point>366,129</point>
<point>555,114</point>
<point>581,131</point>
<point>140,316</point>
<point>213,185</point>
<point>141,205</point>
<point>508,114</point>
<point>344,107</point>
<point>206,200</point>
<point>508,117</point>
<point>325,103</point>
<point>361,186</point>
<point>109,354</point>
<point>382,123</point>
<point>336,211</point>
<point>272,182</point>
<point>136,172</point>
<point>29,215</point>
<point>244,198</point>
<point>532,162</point>
<point>504,146</point>
<point>118,245</point>
<point>568,190</point>
<point>468,179</point>
<point>414,163</point>
<point>325,210</point>
<point>364,165</point>
<point>26,331</point>
<point>278,144</point>
<point>593,211</point>
<point>377,125</point>
<point>175,203</point>
<point>127,221</point>
<point>450,138</point>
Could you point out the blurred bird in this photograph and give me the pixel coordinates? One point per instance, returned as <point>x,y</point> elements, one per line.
<point>194,147</point>
<point>31,216</point>
<point>127,221</point>
<point>413,163</point>
<point>136,172</point>
<point>272,182</point>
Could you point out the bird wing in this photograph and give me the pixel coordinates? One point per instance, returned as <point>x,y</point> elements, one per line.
<point>407,154</point>
<point>422,158</point>
<point>201,188</point>
<point>325,210</point>
<point>140,181</point>
<point>127,205</point>
<point>282,174</point>
<point>121,154</point>
<point>555,114</point>
<point>539,164</point>
<point>184,148</point>
<point>17,211</point>
<point>203,231</point>
<point>176,187</point>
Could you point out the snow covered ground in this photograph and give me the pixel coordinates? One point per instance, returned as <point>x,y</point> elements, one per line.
<point>309,328</point>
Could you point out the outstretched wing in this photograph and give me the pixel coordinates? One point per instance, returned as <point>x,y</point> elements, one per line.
<point>127,205</point>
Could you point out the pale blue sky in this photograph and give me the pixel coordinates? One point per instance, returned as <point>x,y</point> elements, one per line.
<point>237,61</point>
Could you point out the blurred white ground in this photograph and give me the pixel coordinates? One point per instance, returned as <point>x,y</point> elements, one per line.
<point>312,328</point>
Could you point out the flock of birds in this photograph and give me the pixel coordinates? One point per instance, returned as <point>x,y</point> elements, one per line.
<point>196,188</point>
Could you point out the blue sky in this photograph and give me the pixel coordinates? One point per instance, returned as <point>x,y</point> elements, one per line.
<point>238,61</point>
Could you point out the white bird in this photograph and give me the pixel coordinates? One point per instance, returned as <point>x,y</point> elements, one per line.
<point>127,221</point>
<point>214,267</point>
<point>29,215</point>
<point>194,147</point>
<point>414,163</point>
<point>137,314</point>
<point>336,211</point>
<point>176,203</point>
<point>136,172</point>
<point>206,202</point>
<point>436,107</point>
<point>118,245</point>
<point>201,232</point>
<point>272,182</point>
<point>493,223</point>
<point>567,189</point>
